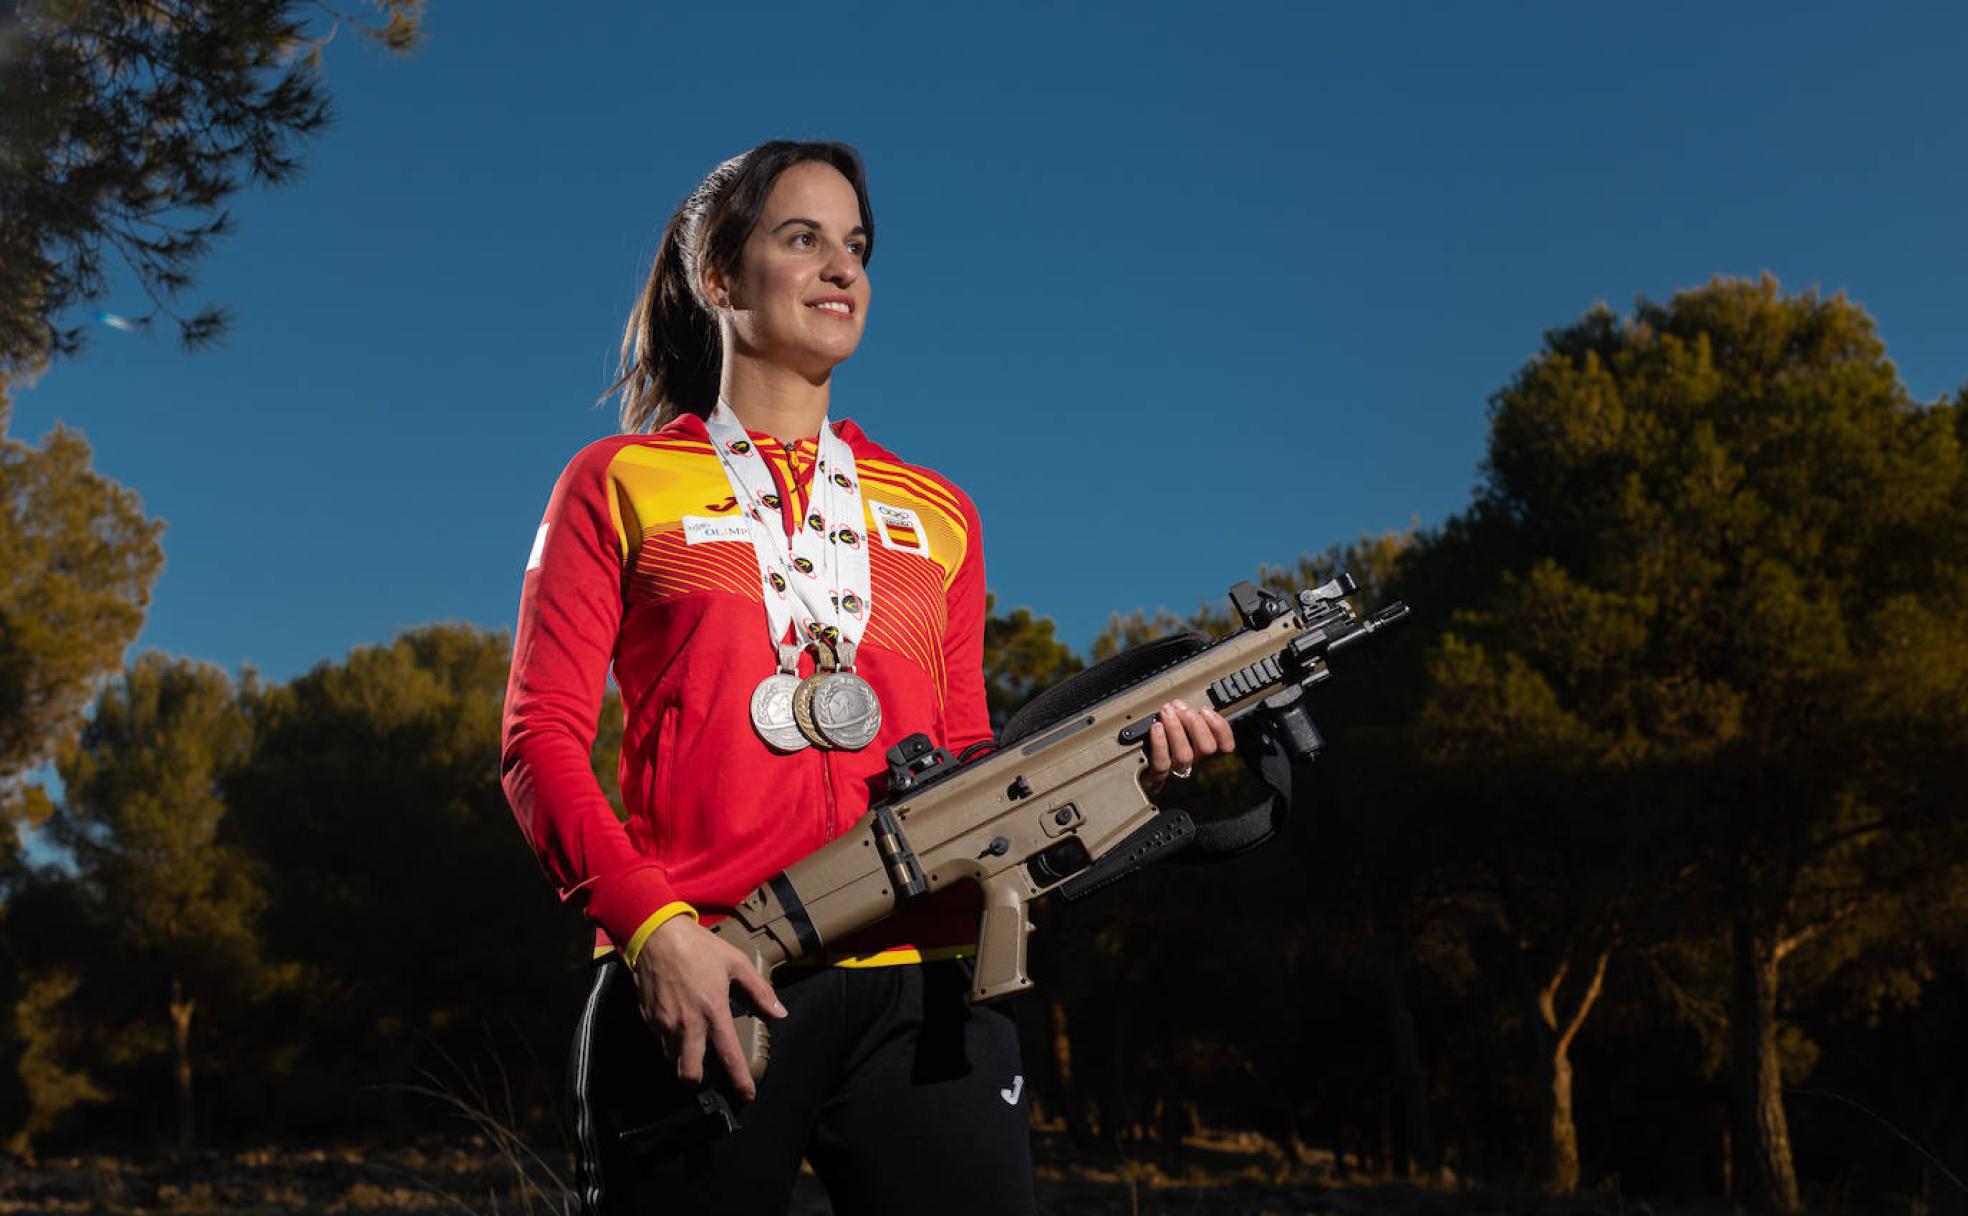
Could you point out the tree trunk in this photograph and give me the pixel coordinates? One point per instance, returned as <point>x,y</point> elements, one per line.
<point>1765,1179</point>
<point>1059,1037</point>
<point>1561,1176</point>
<point>1116,1116</point>
<point>181,1011</point>
<point>1555,1029</point>
<point>1411,1079</point>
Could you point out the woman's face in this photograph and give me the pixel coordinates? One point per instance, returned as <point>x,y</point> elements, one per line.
<point>800,294</point>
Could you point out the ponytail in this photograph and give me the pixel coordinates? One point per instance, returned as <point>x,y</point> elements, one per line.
<point>672,350</point>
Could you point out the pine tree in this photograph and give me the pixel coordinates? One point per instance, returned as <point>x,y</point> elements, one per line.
<point>77,559</point>
<point>126,126</point>
<point>1729,544</point>
<point>170,907</point>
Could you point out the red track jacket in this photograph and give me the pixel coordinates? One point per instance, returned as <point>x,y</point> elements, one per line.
<point>626,569</point>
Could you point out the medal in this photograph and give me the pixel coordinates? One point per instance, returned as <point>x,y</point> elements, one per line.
<point>772,705</point>
<point>772,712</point>
<point>802,707</point>
<point>846,712</point>
<point>802,699</point>
<point>833,707</point>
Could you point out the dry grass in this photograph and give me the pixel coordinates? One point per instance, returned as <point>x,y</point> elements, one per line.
<point>1205,1177</point>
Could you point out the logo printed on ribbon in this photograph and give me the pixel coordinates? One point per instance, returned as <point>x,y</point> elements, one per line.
<point>900,528</point>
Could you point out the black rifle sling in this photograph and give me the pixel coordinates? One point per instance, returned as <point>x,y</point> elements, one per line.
<point>1174,836</point>
<point>1222,839</point>
<point>1102,680</point>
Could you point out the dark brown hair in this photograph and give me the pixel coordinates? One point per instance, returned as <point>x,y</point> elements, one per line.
<point>671,349</point>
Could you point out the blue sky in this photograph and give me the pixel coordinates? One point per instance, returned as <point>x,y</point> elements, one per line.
<point>1171,290</point>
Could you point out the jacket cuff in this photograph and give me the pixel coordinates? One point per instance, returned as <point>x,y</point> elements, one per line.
<point>622,902</point>
<point>657,920</point>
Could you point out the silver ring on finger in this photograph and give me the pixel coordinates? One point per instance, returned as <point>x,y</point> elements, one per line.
<point>1182,774</point>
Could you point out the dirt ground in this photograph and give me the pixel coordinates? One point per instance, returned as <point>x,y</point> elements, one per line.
<point>1204,1178</point>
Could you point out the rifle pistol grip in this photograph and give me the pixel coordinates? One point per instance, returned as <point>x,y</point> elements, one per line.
<point>1001,939</point>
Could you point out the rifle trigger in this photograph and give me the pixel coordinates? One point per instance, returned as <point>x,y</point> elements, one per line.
<point>1058,862</point>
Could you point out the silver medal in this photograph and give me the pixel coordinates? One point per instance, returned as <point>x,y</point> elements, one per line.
<point>772,712</point>
<point>846,711</point>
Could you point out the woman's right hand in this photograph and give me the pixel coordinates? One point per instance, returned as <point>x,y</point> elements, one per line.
<point>684,974</point>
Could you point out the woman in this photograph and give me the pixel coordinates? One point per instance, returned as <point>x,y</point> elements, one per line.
<point>729,547</point>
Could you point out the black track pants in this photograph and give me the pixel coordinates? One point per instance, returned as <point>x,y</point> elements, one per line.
<point>904,1096</point>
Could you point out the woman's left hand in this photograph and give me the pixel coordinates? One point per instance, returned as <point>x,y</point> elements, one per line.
<point>1180,737</point>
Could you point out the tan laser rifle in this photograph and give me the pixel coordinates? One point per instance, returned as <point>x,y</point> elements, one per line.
<point>1058,805</point>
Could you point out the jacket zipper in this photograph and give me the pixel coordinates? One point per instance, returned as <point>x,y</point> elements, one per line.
<point>827,783</point>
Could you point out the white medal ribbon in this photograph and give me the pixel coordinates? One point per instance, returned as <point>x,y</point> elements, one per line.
<point>818,581</point>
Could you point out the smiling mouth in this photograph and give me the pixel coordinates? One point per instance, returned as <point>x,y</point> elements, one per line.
<point>839,308</point>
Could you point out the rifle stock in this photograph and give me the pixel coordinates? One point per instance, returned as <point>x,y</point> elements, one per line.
<point>1043,809</point>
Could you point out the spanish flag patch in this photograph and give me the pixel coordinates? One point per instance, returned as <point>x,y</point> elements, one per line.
<point>900,528</point>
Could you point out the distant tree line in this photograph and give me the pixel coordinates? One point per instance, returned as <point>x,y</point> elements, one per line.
<point>1637,859</point>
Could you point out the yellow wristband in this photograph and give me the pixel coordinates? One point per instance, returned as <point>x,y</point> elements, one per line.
<point>657,919</point>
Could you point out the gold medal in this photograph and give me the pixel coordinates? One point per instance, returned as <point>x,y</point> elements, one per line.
<point>824,661</point>
<point>802,706</point>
